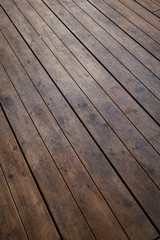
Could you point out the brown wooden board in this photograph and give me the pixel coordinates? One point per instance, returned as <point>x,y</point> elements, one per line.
<point>107,150</point>
<point>95,90</point>
<point>115,67</point>
<point>110,185</point>
<point>83,189</point>
<point>128,60</point>
<point>131,45</point>
<point>122,99</point>
<point>75,133</point>
<point>147,28</point>
<point>154,174</point>
<point>143,12</point>
<point>11,226</point>
<point>60,100</point>
<point>157,2</point>
<point>57,195</point>
<point>32,210</point>
<point>150,5</point>
<point>157,13</point>
<point>151,170</point>
<point>143,39</point>
<point>100,99</point>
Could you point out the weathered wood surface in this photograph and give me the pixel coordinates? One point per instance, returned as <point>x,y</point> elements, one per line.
<point>11,225</point>
<point>80,96</point>
<point>29,204</point>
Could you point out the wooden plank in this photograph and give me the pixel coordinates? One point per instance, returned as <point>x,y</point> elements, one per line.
<point>150,5</point>
<point>143,12</point>
<point>111,186</point>
<point>128,27</point>
<point>11,225</point>
<point>131,109</point>
<point>132,46</point>
<point>156,1</point>
<point>135,137</point>
<point>37,222</point>
<point>157,13</point>
<point>75,175</point>
<point>76,134</point>
<point>137,145</point>
<point>111,63</point>
<point>135,19</point>
<point>60,201</point>
<point>103,99</point>
<point>128,60</point>
<point>112,150</point>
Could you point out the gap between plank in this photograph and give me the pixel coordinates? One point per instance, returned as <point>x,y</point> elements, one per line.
<point>36,183</point>
<point>113,168</point>
<point>10,189</point>
<point>89,134</point>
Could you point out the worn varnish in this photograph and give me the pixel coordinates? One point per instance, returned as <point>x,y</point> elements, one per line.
<point>79,119</point>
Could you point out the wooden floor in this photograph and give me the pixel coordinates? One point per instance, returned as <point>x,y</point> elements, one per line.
<point>79,119</point>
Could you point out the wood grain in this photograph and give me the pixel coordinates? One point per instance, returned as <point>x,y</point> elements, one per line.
<point>69,165</point>
<point>157,13</point>
<point>131,45</point>
<point>11,225</point>
<point>150,5</point>
<point>143,12</point>
<point>111,63</point>
<point>123,100</point>
<point>147,28</point>
<point>37,222</point>
<point>79,91</point>
<point>87,150</point>
<point>69,218</point>
<point>128,27</point>
<point>129,61</point>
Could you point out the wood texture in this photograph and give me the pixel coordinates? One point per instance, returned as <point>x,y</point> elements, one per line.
<point>80,100</point>
<point>30,206</point>
<point>138,21</point>
<point>111,63</point>
<point>66,158</point>
<point>11,225</point>
<point>128,27</point>
<point>157,13</point>
<point>103,78</point>
<point>69,218</point>
<point>150,5</point>
<point>141,11</point>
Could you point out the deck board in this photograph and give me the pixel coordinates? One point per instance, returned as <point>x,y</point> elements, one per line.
<point>142,12</point>
<point>11,225</point>
<point>30,206</point>
<point>81,92</point>
<point>149,4</point>
<point>144,40</point>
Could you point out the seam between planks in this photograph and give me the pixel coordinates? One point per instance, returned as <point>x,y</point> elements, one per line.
<point>9,186</point>
<point>103,65</point>
<point>35,181</point>
<point>70,104</point>
<point>52,160</point>
<point>101,151</point>
<point>140,15</point>
<point>90,75</point>
<point>122,46</point>
<point>124,30</point>
<point>147,8</point>
<point>133,23</point>
<point>69,143</point>
<point>106,47</point>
